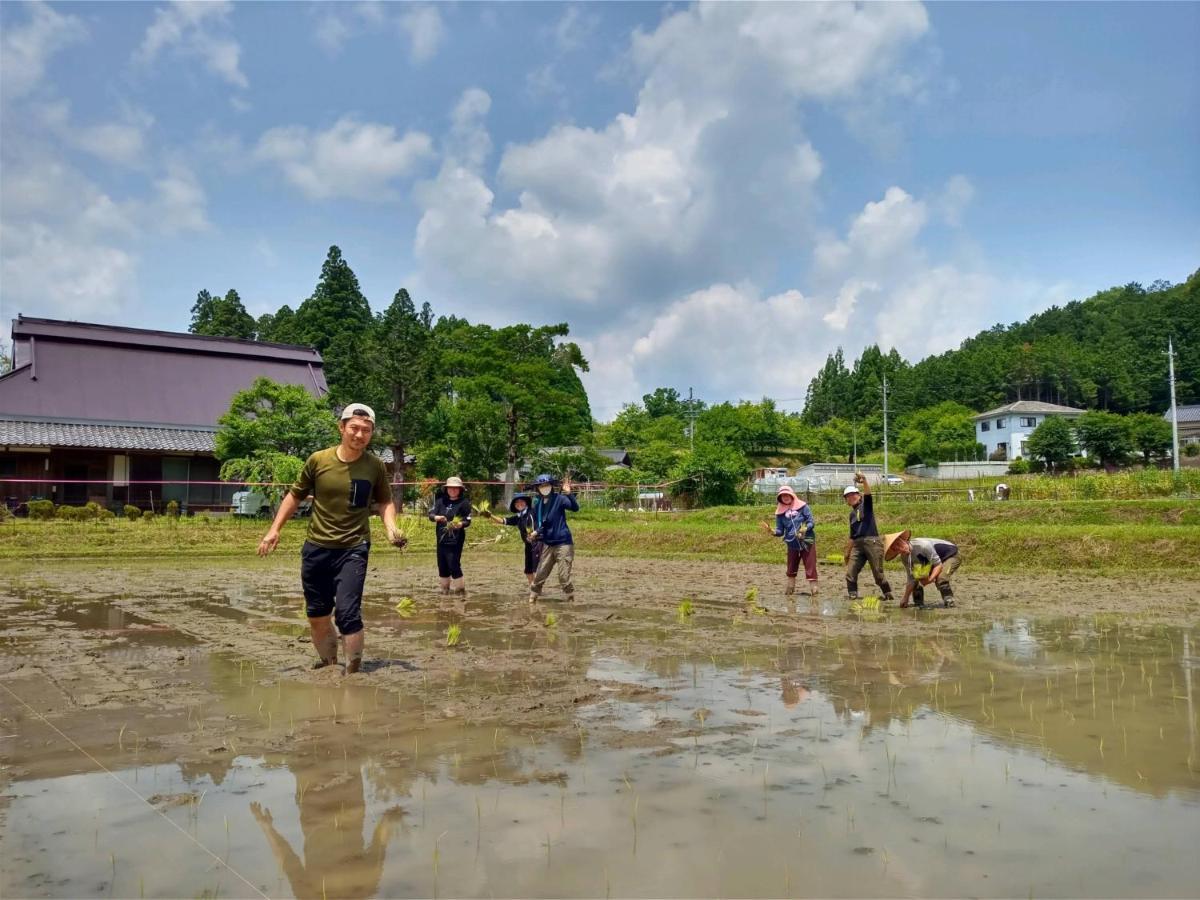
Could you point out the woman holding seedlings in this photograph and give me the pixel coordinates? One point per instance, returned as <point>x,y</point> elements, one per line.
<point>794,523</point>
<point>451,512</point>
<point>522,520</point>
<point>550,528</point>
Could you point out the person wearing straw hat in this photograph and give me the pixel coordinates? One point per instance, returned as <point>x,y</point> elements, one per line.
<point>794,523</point>
<point>451,513</point>
<point>926,561</point>
<point>522,520</point>
<point>865,545</point>
<point>343,481</point>
<point>550,528</point>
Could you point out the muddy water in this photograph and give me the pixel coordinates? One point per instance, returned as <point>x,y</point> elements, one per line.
<point>1012,756</point>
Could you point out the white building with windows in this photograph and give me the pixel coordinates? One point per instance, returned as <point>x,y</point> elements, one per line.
<point>1005,429</point>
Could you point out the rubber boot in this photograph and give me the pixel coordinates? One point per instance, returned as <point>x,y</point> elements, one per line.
<point>791,586</point>
<point>445,585</point>
<point>458,585</point>
<point>812,589</point>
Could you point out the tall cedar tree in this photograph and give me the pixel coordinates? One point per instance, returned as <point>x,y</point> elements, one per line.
<point>337,320</point>
<point>401,381</point>
<point>528,376</point>
<point>222,316</point>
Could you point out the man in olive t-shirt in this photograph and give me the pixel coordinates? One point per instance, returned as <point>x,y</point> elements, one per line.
<point>343,481</point>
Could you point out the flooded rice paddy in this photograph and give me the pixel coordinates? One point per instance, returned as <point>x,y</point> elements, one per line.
<point>161,735</point>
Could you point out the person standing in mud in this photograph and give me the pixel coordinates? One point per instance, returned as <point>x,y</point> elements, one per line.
<point>343,481</point>
<point>865,546</point>
<point>522,520</point>
<point>926,561</point>
<point>794,523</point>
<point>451,512</point>
<point>550,528</point>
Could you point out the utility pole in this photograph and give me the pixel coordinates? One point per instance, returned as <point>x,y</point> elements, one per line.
<point>1174,416</point>
<point>854,453</point>
<point>885,439</point>
<point>691,422</point>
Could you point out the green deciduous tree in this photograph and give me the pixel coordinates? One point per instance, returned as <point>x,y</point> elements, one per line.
<point>268,432</point>
<point>528,375</point>
<point>269,416</point>
<point>942,433</point>
<point>711,474</point>
<point>1052,442</point>
<point>1150,435</point>
<point>1105,436</point>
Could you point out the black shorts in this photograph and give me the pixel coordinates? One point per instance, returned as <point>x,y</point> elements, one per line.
<point>333,583</point>
<point>533,552</point>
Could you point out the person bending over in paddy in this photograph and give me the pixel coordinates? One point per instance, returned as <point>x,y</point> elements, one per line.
<point>794,523</point>
<point>926,561</point>
<point>865,545</point>
<point>342,480</point>
<point>522,520</point>
<point>550,528</point>
<point>451,512</point>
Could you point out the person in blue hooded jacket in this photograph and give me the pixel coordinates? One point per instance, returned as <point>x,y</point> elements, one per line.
<point>550,528</point>
<point>794,523</point>
<point>522,520</point>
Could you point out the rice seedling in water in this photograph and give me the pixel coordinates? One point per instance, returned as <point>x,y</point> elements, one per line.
<point>405,607</point>
<point>752,594</point>
<point>551,620</point>
<point>453,635</point>
<point>685,610</point>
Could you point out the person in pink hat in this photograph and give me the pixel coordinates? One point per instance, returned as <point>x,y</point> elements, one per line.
<point>794,523</point>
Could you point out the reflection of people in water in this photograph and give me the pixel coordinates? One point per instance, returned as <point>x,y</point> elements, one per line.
<point>335,864</point>
<point>793,693</point>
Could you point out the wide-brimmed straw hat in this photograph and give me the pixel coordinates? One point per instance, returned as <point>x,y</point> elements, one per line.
<point>454,481</point>
<point>890,539</point>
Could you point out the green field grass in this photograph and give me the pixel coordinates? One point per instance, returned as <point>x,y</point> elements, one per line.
<point>1108,536</point>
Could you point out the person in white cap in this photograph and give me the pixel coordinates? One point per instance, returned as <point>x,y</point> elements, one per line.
<point>865,545</point>
<point>451,512</point>
<point>343,481</point>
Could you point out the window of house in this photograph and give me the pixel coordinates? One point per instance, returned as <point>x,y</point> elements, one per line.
<point>1028,421</point>
<point>1001,423</point>
<point>984,426</point>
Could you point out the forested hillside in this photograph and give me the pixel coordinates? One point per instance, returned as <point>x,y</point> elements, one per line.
<point>1107,352</point>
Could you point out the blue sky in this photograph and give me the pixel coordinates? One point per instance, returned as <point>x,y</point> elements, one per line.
<point>688,186</point>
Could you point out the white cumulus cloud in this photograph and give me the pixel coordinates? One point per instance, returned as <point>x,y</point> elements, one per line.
<point>708,179</point>
<point>199,29</point>
<point>26,48</point>
<point>354,159</point>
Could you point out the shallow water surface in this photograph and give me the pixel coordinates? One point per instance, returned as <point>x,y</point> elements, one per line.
<point>1054,758</point>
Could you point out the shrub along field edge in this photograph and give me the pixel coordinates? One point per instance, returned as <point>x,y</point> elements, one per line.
<point>1109,536</point>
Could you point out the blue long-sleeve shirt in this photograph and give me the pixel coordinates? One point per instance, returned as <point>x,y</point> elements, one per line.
<point>550,518</point>
<point>796,526</point>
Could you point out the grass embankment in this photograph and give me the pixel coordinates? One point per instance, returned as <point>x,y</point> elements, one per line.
<point>1109,536</point>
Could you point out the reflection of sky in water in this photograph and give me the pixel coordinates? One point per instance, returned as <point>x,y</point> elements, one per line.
<point>763,779</point>
<point>1013,640</point>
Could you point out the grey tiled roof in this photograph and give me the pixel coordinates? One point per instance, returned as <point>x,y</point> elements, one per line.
<point>1029,406</point>
<point>106,437</point>
<point>1184,414</point>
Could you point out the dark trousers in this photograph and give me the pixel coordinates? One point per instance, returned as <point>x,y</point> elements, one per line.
<point>533,552</point>
<point>864,551</point>
<point>449,559</point>
<point>333,583</point>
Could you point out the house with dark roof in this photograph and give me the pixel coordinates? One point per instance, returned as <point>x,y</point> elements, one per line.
<point>1188,419</point>
<point>127,415</point>
<point>1005,429</point>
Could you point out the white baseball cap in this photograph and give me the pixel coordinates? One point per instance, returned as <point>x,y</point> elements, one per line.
<point>358,409</point>
<point>850,489</point>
